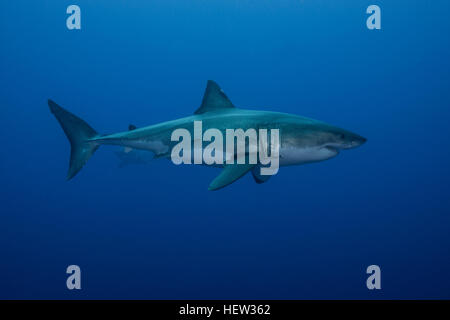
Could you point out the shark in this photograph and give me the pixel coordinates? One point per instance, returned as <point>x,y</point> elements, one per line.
<point>301,140</point>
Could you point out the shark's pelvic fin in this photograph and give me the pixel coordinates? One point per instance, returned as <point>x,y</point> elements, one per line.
<point>214,99</point>
<point>229,174</point>
<point>78,132</point>
<point>259,178</point>
<point>161,155</point>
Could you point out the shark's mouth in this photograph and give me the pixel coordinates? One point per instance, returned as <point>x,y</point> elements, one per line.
<point>333,150</point>
<point>333,147</point>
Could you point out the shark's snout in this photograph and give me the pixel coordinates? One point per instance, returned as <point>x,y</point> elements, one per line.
<point>345,140</point>
<point>357,141</point>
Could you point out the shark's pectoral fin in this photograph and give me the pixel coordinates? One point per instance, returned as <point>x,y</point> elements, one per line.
<point>259,178</point>
<point>214,99</point>
<point>229,174</point>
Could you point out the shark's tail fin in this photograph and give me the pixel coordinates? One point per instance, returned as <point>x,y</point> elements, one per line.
<point>79,134</point>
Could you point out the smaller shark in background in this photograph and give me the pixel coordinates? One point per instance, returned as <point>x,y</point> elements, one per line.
<point>129,156</point>
<point>302,140</point>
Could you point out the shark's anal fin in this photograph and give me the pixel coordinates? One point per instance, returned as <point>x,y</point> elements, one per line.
<point>214,99</point>
<point>259,178</point>
<point>229,174</point>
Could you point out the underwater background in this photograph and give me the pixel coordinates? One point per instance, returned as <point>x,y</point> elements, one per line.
<point>155,231</point>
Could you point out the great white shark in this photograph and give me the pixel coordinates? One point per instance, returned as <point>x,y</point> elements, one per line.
<point>301,140</point>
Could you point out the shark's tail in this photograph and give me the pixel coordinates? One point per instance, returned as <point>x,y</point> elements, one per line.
<point>79,134</point>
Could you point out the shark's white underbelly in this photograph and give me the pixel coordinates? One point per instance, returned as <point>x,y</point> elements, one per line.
<point>288,155</point>
<point>155,146</point>
<point>292,156</point>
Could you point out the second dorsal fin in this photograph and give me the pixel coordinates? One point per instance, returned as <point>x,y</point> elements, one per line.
<point>131,127</point>
<point>214,99</point>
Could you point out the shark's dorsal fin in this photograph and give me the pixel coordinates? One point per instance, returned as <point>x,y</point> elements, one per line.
<point>131,127</point>
<point>214,99</point>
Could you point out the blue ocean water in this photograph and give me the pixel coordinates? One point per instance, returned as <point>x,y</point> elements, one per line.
<point>155,231</point>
